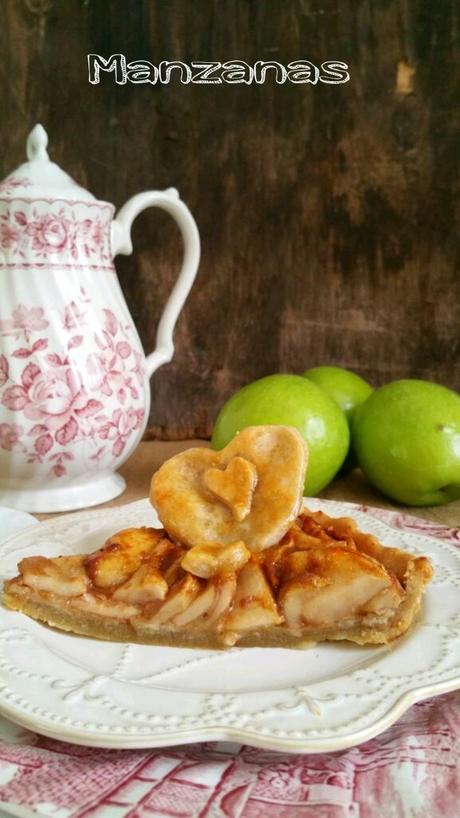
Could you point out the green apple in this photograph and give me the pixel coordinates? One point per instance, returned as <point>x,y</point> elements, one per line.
<point>347,388</point>
<point>292,401</point>
<point>407,439</point>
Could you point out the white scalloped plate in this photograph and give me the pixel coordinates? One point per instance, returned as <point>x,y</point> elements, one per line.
<point>325,698</point>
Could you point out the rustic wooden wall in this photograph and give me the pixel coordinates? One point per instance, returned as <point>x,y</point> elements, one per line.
<point>327,214</point>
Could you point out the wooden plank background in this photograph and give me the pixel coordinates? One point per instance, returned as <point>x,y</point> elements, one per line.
<point>328,214</point>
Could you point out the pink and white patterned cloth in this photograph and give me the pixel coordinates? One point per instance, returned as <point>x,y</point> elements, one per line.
<point>412,770</point>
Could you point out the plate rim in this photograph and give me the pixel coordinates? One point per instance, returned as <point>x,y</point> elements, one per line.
<point>253,739</point>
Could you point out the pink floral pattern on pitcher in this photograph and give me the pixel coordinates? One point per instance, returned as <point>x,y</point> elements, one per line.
<point>24,321</point>
<point>30,236</point>
<point>12,183</point>
<point>54,406</point>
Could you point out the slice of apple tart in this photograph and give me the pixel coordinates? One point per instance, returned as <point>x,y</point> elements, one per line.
<point>238,561</point>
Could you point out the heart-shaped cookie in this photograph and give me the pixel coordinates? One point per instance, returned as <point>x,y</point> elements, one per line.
<point>251,490</point>
<point>234,485</point>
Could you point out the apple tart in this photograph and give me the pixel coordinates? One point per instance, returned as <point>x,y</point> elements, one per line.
<point>239,561</point>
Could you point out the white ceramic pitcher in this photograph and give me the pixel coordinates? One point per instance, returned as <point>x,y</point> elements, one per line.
<point>74,381</point>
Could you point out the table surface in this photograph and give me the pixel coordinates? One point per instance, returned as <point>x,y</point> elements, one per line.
<point>353,487</point>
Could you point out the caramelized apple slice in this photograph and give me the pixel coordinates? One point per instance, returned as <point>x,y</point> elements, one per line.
<point>145,585</point>
<point>178,600</point>
<point>64,576</point>
<point>155,575</point>
<point>302,540</point>
<point>253,603</point>
<point>121,556</point>
<point>225,586</point>
<point>103,606</point>
<point>201,606</point>
<point>337,585</point>
<point>273,559</point>
<point>175,572</point>
<point>208,560</point>
<point>385,600</point>
<point>294,564</point>
<point>345,528</point>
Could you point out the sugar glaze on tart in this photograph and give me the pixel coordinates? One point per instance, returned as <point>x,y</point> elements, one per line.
<point>238,562</point>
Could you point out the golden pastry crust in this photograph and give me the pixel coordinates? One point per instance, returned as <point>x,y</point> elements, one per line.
<point>325,580</point>
<point>249,491</point>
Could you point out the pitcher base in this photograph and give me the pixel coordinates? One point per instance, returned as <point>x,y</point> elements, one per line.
<point>92,492</point>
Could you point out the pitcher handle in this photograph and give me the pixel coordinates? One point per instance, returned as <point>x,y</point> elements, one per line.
<point>170,201</point>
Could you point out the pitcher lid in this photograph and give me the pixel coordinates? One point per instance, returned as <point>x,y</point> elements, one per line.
<point>39,177</point>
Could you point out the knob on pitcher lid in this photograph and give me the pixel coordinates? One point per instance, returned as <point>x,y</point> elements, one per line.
<point>39,177</point>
